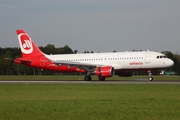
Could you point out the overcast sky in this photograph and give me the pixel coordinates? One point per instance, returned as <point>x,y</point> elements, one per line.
<point>98,25</point>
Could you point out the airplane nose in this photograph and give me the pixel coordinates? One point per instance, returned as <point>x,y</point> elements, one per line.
<point>170,63</point>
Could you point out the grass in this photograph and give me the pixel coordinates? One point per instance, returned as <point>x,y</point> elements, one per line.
<point>89,102</point>
<point>81,77</point>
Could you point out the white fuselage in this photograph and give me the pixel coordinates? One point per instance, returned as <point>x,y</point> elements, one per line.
<point>118,60</point>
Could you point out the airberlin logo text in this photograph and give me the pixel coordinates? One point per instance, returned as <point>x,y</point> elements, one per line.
<point>25,43</point>
<point>136,63</point>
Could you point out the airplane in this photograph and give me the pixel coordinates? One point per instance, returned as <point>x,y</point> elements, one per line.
<point>102,65</point>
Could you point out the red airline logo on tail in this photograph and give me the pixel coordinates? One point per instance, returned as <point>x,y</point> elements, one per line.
<point>25,43</point>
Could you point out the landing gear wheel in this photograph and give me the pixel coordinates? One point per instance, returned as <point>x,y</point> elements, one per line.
<point>87,78</point>
<point>101,78</point>
<point>150,78</point>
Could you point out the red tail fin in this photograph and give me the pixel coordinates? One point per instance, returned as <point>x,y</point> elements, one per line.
<point>28,47</point>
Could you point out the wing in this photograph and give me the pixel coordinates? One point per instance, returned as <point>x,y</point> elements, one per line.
<point>80,65</point>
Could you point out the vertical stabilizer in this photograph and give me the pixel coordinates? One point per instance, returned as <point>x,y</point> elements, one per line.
<point>28,47</point>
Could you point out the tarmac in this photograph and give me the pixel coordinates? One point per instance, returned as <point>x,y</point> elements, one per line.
<point>93,82</point>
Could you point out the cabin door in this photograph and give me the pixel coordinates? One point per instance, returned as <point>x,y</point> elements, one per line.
<point>147,57</point>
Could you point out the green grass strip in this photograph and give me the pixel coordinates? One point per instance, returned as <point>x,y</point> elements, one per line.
<point>89,102</point>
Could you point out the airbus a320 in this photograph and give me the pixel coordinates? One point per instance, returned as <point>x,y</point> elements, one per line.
<point>102,65</point>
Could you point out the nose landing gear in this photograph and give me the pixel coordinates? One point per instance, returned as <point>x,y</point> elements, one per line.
<point>150,76</point>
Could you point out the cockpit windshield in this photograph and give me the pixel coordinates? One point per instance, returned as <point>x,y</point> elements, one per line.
<point>161,56</point>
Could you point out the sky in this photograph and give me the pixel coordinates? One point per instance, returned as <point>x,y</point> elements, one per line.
<point>94,25</point>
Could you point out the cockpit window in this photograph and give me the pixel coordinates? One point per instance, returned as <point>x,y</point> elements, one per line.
<point>159,57</point>
<point>164,57</point>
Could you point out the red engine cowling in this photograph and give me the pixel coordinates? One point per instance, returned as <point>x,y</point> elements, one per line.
<point>106,71</point>
<point>124,73</point>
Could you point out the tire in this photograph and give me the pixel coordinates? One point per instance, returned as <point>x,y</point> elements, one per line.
<point>87,78</point>
<point>150,78</point>
<point>101,78</point>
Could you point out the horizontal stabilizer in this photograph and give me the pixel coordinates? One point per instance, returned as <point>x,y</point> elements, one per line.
<point>22,61</point>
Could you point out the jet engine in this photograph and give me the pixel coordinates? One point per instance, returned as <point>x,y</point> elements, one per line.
<point>106,71</point>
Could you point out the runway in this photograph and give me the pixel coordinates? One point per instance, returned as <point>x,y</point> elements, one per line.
<point>93,82</point>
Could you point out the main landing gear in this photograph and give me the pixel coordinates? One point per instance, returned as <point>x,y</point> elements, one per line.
<point>101,78</point>
<point>150,76</point>
<point>89,78</point>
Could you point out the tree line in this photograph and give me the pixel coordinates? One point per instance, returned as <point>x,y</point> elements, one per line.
<point>8,67</point>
